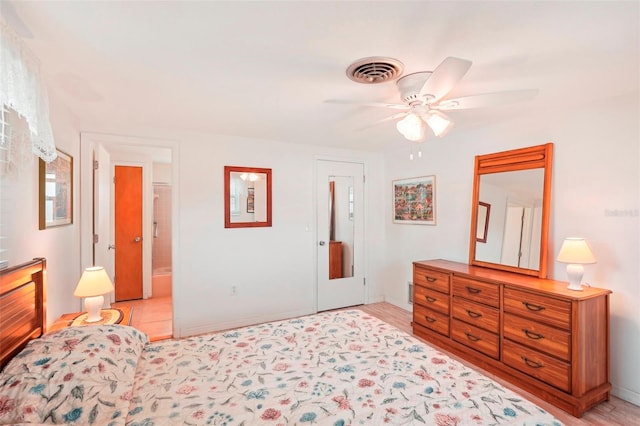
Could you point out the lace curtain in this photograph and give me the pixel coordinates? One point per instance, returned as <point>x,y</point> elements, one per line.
<point>22,89</point>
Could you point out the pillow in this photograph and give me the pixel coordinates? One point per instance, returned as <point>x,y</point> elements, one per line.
<point>78,374</point>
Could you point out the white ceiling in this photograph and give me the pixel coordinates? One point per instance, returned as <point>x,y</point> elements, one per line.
<point>264,69</point>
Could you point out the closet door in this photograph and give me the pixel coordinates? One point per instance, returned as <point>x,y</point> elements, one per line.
<point>340,234</point>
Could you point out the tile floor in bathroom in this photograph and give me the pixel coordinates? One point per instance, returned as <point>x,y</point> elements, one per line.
<point>154,316</point>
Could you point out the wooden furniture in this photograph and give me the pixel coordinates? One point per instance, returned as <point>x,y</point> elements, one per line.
<point>66,320</point>
<point>533,332</point>
<point>508,176</point>
<point>335,259</point>
<point>22,306</point>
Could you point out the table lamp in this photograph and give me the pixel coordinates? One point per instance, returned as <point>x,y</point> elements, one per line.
<point>93,284</point>
<point>575,252</point>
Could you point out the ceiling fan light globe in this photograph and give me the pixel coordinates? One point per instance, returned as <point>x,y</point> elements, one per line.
<point>414,137</point>
<point>411,127</point>
<point>439,123</point>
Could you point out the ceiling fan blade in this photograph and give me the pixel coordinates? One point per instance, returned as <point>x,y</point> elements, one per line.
<point>444,77</point>
<point>384,120</point>
<point>486,100</point>
<point>371,104</point>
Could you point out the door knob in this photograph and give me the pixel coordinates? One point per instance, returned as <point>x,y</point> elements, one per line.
<point>137,239</point>
<point>111,247</point>
<point>322,243</point>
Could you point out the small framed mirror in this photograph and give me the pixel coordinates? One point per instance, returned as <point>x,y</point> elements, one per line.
<point>510,210</point>
<point>247,197</point>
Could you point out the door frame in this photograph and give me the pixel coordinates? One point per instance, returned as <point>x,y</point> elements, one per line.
<point>136,148</point>
<point>316,237</point>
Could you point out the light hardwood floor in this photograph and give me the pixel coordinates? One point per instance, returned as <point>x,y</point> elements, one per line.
<point>153,316</point>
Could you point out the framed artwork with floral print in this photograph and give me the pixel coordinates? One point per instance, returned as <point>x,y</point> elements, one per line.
<point>414,200</point>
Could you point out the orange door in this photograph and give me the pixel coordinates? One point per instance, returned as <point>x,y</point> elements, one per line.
<point>128,241</point>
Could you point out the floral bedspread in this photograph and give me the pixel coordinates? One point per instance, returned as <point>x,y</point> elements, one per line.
<point>79,375</point>
<point>337,368</point>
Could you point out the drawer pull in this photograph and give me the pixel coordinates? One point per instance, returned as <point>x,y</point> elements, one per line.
<point>473,314</point>
<point>430,279</point>
<point>473,290</point>
<point>429,319</point>
<point>430,299</point>
<point>472,337</point>
<point>532,307</point>
<point>532,335</point>
<point>532,364</point>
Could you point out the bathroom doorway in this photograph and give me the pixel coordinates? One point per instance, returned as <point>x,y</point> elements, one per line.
<point>99,154</point>
<point>161,271</point>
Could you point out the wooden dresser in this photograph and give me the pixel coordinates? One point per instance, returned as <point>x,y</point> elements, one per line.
<point>533,332</point>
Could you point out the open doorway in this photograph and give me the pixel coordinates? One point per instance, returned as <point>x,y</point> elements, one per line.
<point>161,259</point>
<point>101,157</point>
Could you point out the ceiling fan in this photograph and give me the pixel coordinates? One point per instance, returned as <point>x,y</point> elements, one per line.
<point>424,94</point>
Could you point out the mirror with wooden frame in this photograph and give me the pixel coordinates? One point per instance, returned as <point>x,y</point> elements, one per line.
<point>247,197</point>
<point>515,187</point>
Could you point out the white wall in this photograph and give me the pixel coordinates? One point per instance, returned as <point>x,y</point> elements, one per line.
<point>59,245</point>
<point>272,269</point>
<point>596,188</point>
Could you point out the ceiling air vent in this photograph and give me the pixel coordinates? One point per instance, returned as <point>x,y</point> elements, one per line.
<point>375,70</point>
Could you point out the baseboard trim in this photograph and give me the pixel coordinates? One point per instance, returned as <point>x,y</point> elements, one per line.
<point>400,303</point>
<point>626,394</point>
<point>241,322</point>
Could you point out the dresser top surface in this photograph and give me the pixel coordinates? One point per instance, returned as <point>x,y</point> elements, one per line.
<point>557,288</point>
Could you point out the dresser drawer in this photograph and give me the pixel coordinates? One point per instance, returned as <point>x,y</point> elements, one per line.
<point>431,279</point>
<point>431,319</point>
<point>538,336</point>
<point>431,299</point>
<point>538,307</point>
<point>476,314</point>
<point>479,291</point>
<point>543,367</point>
<point>476,338</point>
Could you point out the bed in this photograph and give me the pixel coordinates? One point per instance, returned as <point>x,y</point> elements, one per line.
<point>331,368</point>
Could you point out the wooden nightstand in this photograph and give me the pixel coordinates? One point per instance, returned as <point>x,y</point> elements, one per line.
<point>67,319</point>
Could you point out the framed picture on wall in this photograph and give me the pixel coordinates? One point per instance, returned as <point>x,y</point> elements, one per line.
<point>56,191</point>
<point>414,200</point>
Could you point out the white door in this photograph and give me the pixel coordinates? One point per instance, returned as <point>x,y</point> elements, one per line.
<point>340,238</point>
<point>103,252</point>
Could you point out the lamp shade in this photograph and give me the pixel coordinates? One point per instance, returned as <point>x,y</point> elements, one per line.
<point>575,250</point>
<point>94,282</point>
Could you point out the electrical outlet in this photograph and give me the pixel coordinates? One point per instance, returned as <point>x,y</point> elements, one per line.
<point>233,290</point>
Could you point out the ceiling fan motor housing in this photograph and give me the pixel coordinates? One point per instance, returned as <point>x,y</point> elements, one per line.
<point>410,86</point>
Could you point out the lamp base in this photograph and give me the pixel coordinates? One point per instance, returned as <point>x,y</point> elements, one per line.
<point>574,273</point>
<point>93,306</point>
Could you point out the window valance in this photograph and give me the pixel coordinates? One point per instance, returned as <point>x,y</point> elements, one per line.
<point>23,90</point>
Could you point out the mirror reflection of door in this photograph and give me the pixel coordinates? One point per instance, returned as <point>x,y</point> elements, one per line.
<point>520,247</point>
<point>341,227</point>
<point>514,225</point>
